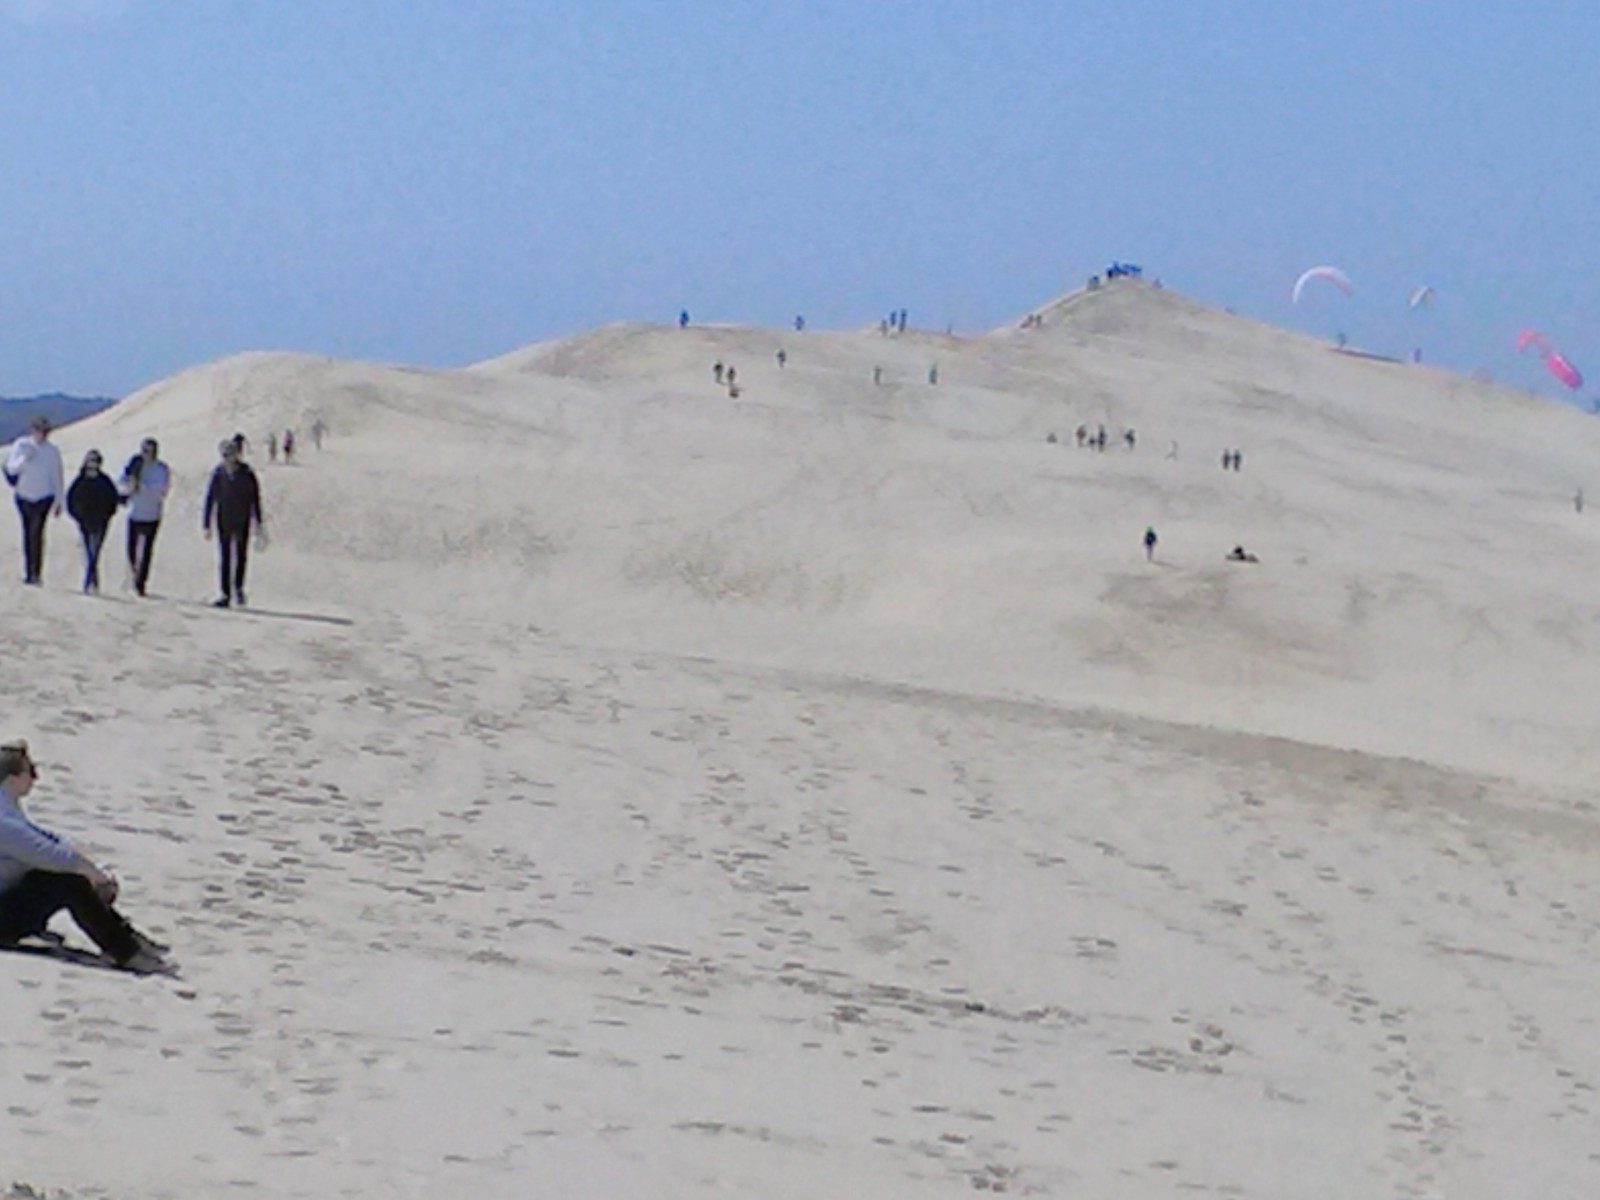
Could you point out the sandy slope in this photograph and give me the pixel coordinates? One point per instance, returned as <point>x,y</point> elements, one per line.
<point>618,789</point>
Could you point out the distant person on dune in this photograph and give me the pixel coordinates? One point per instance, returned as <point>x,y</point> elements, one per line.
<point>33,469</point>
<point>799,324</point>
<point>318,428</point>
<point>233,503</point>
<point>288,446</point>
<point>1150,540</point>
<point>783,358</point>
<point>145,483</point>
<point>683,318</point>
<point>42,873</point>
<point>93,500</point>
<point>272,446</point>
<point>716,371</point>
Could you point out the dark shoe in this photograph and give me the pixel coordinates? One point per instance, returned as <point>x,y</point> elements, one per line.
<point>238,598</point>
<point>224,602</point>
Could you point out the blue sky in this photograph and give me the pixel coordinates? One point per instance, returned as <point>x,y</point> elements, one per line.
<point>439,181</point>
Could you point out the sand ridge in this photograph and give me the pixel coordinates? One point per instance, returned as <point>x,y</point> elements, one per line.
<point>625,790</point>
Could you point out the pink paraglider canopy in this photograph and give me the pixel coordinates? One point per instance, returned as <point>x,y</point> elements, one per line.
<point>1563,370</point>
<point>1533,338</point>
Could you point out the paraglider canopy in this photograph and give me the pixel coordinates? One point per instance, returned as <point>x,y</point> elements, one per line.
<point>1532,339</point>
<point>1563,370</point>
<point>1331,275</point>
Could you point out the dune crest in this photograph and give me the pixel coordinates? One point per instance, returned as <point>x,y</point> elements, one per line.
<point>619,787</point>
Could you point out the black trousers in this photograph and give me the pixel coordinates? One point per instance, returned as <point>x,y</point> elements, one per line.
<point>233,548</point>
<point>33,513</point>
<point>141,548</point>
<point>27,906</point>
<point>94,541</point>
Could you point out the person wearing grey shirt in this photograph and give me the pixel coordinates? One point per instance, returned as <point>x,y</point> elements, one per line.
<point>145,482</point>
<point>42,873</point>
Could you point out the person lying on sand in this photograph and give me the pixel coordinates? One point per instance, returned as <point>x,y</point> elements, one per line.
<point>41,873</point>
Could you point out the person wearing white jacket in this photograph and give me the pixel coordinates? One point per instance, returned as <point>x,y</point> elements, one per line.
<point>33,469</point>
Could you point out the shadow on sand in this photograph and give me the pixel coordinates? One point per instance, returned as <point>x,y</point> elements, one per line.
<point>273,613</point>
<point>63,954</point>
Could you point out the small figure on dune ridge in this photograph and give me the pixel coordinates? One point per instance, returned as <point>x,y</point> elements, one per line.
<point>1150,541</point>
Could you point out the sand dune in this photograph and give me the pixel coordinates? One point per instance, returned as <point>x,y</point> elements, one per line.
<point>620,789</point>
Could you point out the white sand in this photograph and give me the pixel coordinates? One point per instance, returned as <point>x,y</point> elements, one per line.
<point>622,791</point>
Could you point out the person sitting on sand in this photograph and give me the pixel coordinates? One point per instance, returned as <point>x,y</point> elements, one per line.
<point>41,873</point>
<point>1239,554</point>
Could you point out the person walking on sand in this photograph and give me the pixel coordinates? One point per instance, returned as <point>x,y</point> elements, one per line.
<point>288,447</point>
<point>93,500</point>
<point>1150,540</point>
<point>145,483</point>
<point>318,428</point>
<point>42,873</point>
<point>272,446</point>
<point>33,469</point>
<point>233,503</point>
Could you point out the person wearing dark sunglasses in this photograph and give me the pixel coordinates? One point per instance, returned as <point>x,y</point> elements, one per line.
<point>42,873</point>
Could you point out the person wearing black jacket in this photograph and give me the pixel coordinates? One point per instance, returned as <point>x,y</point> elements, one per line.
<point>233,502</point>
<point>92,500</point>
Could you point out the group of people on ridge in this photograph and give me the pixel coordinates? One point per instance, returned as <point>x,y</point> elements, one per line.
<point>232,507</point>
